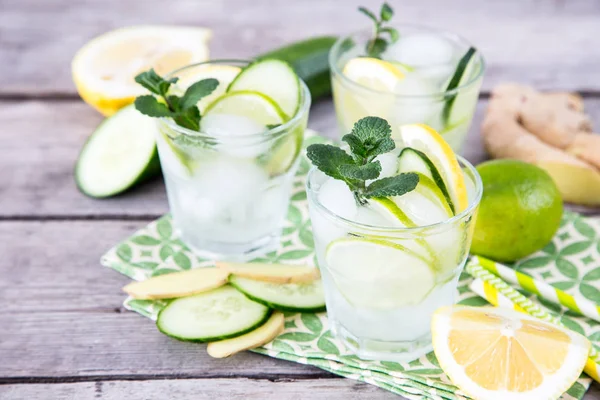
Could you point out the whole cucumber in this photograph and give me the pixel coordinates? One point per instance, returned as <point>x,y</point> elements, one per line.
<point>310,60</point>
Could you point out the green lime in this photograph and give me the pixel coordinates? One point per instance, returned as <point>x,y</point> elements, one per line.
<point>520,210</point>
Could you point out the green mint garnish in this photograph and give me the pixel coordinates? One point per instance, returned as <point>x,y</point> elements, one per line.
<point>370,137</point>
<point>376,46</point>
<point>183,110</point>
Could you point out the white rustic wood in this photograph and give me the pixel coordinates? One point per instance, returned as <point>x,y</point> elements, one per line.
<point>200,389</point>
<point>546,43</point>
<point>37,156</point>
<point>64,333</point>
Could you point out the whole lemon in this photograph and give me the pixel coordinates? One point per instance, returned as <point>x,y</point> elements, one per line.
<point>520,210</point>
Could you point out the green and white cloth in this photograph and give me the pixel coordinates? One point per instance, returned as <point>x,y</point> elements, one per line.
<point>571,262</point>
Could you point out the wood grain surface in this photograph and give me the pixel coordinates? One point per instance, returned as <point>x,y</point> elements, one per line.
<point>64,333</point>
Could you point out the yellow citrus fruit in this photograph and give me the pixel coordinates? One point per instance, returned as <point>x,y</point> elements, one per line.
<point>354,103</point>
<point>104,69</point>
<point>425,139</point>
<point>499,354</point>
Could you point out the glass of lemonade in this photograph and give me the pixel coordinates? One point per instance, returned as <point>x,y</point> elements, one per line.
<point>229,183</point>
<point>383,280</point>
<point>426,76</point>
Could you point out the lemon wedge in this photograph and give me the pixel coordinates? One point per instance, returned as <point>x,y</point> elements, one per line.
<point>373,73</point>
<point>425,139</point>
<point>353,103</point>
<point>104,69</point>
<point>494,353</point>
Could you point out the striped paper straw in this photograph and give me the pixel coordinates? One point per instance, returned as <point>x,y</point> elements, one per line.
<point>548,292</point>
<point>499,293</point>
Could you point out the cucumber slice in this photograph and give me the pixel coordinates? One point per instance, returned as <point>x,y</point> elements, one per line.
<point>378,274</point>
<point>459,105</point>
<point>412,160</point>
<point>426,204</point>
<point>250,104</point>
<point>275,79</point>
<point>310,60</point>
<point>284,153</point>
<point>219,314</point>
<point>300,297</point>
<point>119,154</point>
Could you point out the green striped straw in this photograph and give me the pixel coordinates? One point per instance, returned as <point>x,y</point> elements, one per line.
<point>548,292</point>
<point>592,367</point>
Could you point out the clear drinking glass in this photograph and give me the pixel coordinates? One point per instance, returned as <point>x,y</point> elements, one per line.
<point>383,288</point>
<point>421,96</point>
<point>229,194</point>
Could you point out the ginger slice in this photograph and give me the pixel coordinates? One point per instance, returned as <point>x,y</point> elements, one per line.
<point>549,130</point>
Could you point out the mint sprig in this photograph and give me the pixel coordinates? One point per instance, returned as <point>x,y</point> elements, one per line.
<point>376,46</point>
<point>370,137</point>
<point>183,109</point>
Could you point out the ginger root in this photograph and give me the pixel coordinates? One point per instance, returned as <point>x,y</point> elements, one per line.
<point>550,130</point>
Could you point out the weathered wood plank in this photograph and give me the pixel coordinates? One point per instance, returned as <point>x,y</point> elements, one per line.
<point>200,389</point>
<point>552,44</point>
<point>61,314</point>
<point>40,141</point>
<point>205,389</point>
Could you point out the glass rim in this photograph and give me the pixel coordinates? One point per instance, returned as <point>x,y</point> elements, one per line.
<point>473,204</point>
<point>305,101</point>
<point>453,36</point>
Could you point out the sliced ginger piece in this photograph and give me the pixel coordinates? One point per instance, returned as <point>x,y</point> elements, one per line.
<point>549,130</point>
<point>256,338</point>
<point>275,273</point>
<point>178,284</point>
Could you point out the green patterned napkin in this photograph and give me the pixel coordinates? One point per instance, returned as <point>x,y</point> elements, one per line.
<point>568,262</point>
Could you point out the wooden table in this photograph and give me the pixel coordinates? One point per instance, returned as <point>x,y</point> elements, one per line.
<point>64,334</point>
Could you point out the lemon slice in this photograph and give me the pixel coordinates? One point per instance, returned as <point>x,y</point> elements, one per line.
<point>493,353</point>
<point>225,74</point>
<point>372,73</point>
<point>423,138</point>
<point>104,69</point>
<point>378,274</point>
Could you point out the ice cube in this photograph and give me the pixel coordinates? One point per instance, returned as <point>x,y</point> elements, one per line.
<point>231,129</point>
<point>337,198</point>
<point>389,163</point>
<point>230,184</point>
<point>421,49</point>
<point>421,104</point>
<point>368,216</point>
<point>420,209</point>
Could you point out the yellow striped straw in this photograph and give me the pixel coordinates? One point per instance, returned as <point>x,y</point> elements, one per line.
<point>500,294</point>
<point>578,304</point>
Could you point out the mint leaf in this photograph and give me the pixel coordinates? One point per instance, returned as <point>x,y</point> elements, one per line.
<point>188,118</point>
<point>392,186</point>
<point>197,91</point>
<point>154,82</point>
<point>361,172</point>
<point>394,35</point>
<point>386,12</point>
<point>328,159</point>
<point>150,106</point>
<point>368,13</point>
<point>374,134</point>
<point>184,109</point>
<point>378,44</point>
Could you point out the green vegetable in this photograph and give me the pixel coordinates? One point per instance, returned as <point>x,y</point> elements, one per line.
<point>310,60</point>
<point>104,169</point>
<point>376,46</point>
<point>183,110</point>
<point>370,137</point>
